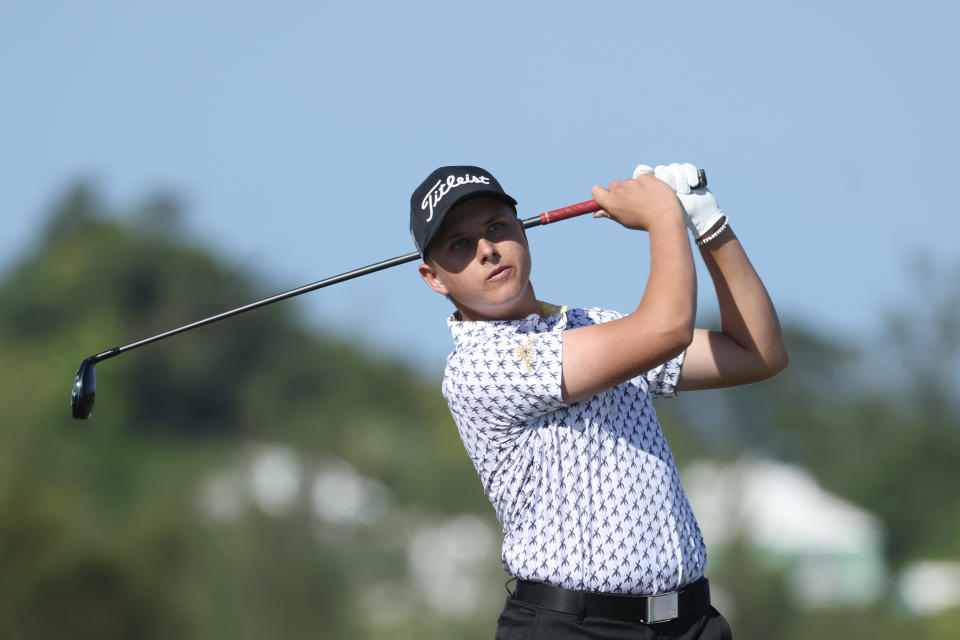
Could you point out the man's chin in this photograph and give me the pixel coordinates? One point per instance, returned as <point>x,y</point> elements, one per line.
<point>513,310</point>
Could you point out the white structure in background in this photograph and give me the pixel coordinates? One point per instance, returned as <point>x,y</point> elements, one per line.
<point>275,479</point>
<point>447,561</point>
<point>271,478</point>
<point>450,559</point>
<point>831,549</point>
<point>929,587</point>
<point>342,497</point>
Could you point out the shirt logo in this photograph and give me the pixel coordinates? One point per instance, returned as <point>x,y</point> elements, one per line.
<point>442,188</point>
<point>527,354</point>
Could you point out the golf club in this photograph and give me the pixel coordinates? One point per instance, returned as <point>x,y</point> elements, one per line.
<point>83,394</point>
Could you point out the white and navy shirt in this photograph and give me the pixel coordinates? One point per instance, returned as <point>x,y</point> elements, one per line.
<point>588,494</point>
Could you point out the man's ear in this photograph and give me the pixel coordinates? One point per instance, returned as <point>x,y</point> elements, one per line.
<point>432,279</point>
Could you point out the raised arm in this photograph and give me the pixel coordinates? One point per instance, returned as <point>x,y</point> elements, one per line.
<point>749,346</point>
<point>598,357</point>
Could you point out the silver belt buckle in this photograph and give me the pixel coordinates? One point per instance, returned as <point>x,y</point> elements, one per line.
<point>662,608</point>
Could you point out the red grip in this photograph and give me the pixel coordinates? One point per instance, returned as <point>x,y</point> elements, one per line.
<point>588,206</point>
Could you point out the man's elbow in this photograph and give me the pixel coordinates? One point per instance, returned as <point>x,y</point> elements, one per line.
<point>783,360</point>
<point>678,338</point>
<point>774,363</point>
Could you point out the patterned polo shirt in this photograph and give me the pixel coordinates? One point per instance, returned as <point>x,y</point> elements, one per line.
<point>588,493</point>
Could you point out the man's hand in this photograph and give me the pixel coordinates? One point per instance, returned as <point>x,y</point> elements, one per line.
<point>637,203</point>
<point>699,205</point>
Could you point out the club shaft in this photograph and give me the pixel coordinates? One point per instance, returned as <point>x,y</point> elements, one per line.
<point>356,273</point>
<point>544,218</point>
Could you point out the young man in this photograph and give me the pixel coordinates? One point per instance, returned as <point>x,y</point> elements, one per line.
<point>554,405</point>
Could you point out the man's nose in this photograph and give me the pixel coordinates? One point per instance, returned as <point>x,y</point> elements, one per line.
<point>486,250</point>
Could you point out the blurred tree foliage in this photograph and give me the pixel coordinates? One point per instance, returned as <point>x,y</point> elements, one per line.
<point>102,530</point>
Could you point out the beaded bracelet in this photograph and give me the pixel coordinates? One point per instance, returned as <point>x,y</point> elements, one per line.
<point>713,236</point>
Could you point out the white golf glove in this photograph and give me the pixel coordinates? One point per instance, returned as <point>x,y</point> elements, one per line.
<point>699,205</point>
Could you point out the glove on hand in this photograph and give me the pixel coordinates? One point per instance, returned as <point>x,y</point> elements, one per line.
<point>699,205</point>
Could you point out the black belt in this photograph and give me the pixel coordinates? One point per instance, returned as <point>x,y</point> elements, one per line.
<point>690,600</point>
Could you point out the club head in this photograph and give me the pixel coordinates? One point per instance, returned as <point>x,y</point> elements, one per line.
<point>84,390</point>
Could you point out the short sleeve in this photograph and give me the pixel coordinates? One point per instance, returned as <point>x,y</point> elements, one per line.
<point>513,377</point>
<point>662,380</point>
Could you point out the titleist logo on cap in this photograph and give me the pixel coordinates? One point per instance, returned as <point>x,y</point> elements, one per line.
<point>443,187</point>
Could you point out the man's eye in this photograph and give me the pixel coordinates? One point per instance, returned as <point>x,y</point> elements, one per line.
<point>496,226</point>
<point>458,244</point>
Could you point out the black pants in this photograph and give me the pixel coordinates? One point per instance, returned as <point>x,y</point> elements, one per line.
<point>522,621</point>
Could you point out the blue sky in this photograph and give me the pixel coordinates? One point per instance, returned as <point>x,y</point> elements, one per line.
<point>295,132</point>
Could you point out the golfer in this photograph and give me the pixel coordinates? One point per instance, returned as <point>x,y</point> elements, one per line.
<point>554,404</point>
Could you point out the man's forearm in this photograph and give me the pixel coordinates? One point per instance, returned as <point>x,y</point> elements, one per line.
<point>671,292</point>
<point>747,314</point>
